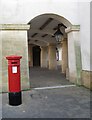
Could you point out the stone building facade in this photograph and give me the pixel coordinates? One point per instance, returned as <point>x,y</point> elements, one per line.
<point>26,24</point>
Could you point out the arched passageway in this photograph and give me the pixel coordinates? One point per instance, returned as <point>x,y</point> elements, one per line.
<point>54,55</point>
<point>41,33</point>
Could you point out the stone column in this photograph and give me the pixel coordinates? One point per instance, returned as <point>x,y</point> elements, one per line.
<point>52,56</point>
<point>43,57</point>
<point>15,42</point>
<point>30,55</point>
<point>74,54</point>
<point>64,55</point>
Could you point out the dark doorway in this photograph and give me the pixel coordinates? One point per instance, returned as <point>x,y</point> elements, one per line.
<point>36,56</point>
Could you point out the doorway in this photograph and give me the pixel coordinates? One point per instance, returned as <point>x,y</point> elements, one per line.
<point>36,56</point>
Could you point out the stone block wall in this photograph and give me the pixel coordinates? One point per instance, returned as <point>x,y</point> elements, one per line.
<point>87,79</point>
<point>14,42</point>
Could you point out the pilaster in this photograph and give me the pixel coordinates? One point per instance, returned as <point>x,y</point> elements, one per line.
<point>15,42</point>
<point>74,54</point>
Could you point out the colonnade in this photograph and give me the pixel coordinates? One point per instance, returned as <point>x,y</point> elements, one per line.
<point>48,56</point>
<point>71,58</point>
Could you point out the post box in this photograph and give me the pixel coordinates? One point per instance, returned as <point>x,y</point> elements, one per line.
<point>14,83</point>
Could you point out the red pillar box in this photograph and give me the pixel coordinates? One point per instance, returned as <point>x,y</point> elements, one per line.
<point>14,83</point>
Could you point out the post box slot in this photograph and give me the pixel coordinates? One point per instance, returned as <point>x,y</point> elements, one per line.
<point>14,62</point>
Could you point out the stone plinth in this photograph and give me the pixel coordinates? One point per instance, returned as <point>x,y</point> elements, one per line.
<point>87,79</point>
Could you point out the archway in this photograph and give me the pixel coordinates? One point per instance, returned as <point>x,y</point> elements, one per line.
<point>41,33</point>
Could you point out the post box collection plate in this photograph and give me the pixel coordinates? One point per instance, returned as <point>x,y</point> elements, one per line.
<point>14,69</point>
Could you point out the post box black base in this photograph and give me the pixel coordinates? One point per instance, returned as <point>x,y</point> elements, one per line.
<point>15,99</point>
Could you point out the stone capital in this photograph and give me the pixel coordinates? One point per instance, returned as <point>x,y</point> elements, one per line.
<point>14,27</point>
<point>72,28</point>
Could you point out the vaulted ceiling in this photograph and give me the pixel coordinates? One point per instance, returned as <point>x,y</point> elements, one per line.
<point>42,30</point>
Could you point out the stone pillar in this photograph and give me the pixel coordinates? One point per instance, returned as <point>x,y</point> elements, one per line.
<point>52,56</point>
<point>30,55</point>
<point>15,42</point>
<point>64,55</point>
<point>43,57</point>
<point>74,54</point>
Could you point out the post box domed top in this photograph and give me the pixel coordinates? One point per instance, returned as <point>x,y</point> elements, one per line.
<point>13,57</point>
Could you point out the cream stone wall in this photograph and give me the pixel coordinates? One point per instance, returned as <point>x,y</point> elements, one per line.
<point>84,20</point>
<point>19,10</point>
<point>15,43</point>
<point>87,79</point>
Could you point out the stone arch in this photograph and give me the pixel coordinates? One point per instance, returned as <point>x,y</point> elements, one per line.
<point>72,32</point>
<point>56,17</point>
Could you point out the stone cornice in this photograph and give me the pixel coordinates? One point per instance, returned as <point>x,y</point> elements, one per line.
<point>14,27</point>
<point>72,28</point>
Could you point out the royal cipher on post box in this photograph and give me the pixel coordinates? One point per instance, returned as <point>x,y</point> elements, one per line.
<point>14,80</point>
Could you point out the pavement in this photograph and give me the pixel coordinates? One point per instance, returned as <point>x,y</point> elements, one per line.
<point>42,77</point>
<point>65,102</point>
